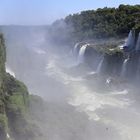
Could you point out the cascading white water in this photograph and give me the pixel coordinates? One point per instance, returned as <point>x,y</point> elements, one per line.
<point>138,43</point>
<point>131,39</point>
<point>75,49</point>
<point>100,65</point>
<point>82,53</point>
<point>8,136</point>
<point>102,108</point>
<point>124,66</point>
<point>8,70</point>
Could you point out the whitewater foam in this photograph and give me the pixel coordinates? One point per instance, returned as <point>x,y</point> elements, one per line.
<point>90,102</point>
<point>81,96</point>
<point>56,72</point>
<point>123,92</point>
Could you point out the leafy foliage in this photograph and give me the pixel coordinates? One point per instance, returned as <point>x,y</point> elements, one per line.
<point>101,23</point>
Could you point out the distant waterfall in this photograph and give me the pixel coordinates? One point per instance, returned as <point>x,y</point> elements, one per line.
<point>138,43</point>
<point>75,49</point>
<point>100,65</point>
<point>130,43</point>
<point>124,66</point>
<point>82,53</point>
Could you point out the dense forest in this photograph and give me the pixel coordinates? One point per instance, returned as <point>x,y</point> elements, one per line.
<point>100,23</point>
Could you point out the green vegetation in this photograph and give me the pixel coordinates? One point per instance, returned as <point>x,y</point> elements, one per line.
<point>100,23</point>
<point>14,104</point>
<point>108,49</point>
<point>106,22</point>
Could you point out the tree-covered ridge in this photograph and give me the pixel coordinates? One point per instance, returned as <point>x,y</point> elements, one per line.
<point>106,22</point>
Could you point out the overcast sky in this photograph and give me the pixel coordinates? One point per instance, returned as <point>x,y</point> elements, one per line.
<point>38,12</point>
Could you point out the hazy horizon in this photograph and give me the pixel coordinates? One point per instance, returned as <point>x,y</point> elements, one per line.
<point>45,12</point>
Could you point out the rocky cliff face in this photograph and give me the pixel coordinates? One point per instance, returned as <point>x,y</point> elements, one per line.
<point>116,59</point>
<point>14,104</point>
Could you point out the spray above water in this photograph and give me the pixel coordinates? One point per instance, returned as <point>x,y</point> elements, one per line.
<point>101,109</point>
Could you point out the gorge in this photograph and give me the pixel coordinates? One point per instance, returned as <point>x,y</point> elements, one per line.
<point>82,74</point>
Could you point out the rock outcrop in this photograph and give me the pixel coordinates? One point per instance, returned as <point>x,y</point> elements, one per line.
<point>15,120</point>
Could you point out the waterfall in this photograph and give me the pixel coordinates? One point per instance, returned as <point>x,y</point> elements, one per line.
<point>75,49</point>
<point>138,43</point>
<point>82,53</point>
<point>8,136</point>
<point>124,66</point>
<point>130,43</point>
<point>8,70</point>
<point>100,65</point>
